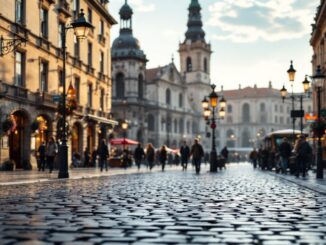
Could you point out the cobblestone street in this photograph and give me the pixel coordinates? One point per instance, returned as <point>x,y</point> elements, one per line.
<point>235,206</point>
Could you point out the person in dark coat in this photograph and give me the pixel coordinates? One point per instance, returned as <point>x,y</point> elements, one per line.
<point>150,155</point>
<point>41,154</point>
<point>103,153</point>
<point>51,152</point>
<point>94,158</point>
<point>225,153</point>
<point>197,153</point>
<point>185,153</point>
<point>86,157</point>
<point>253,157</point>
<point>163,156</point>
<point>285,150</point>
<point>139,154</point>
<point>304,152</point>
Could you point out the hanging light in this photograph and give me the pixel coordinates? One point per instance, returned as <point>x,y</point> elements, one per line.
<point>124,125</point>
<point>81,26</point>
<point>205,103</point>
<point>207,113</point>
<point>222,113</point>
<point>291,72</point>
<point>222,102</point>
<point>306,85</point>
<point>284,93</point>
<point>318,77</point>
<point>71,93</point>
<point>213,97</point>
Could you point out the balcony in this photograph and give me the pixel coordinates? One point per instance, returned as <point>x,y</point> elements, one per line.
<point>90,70</point>
<point>89,110</point>
<point>77,62</point>
<point>44,99</point>
<point>101,76</point>
<point>64,8</point>
<point>101,39</point>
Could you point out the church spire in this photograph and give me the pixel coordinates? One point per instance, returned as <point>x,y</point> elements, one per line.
<point>126,17</point>
<point>195,31</point>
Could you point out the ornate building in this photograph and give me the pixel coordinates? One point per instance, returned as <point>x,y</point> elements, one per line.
<point>31,76</point>
<point>161,104</point>
<point>252,113</point>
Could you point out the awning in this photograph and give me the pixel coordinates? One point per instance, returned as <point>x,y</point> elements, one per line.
<point>123,141</point>
<point>102,120</point>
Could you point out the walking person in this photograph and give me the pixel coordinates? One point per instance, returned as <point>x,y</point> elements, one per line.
<point>225,153</point>
<point>163,156</point>
<point>253,157</point>
<point>41,154</point>
<point>185,153</point>
<point>304,151</point>
<point>285,153</point>
<point>51,152</point>
<point>86,157</point>
<point>150,155</point>
<point>139,154</point>
<point>197,153</point>
<point>103,153</point>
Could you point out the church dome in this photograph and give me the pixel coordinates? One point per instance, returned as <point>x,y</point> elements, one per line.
<point>125,41</point>
<point>126,12</point>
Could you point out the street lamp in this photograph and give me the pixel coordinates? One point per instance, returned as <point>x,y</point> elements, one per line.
<point>124,126</point>
<point>294,113</point>
<point>210,106</point>
<point>319,79</point>
<point>81,28</point>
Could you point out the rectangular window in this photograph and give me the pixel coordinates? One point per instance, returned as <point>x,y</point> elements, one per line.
<point>44,69</point>
<point>90,54</point>
<point>102,96</point>
<point>101,28</point>
<point>77,88</point>
<point>90,95</point>
<point>61,29</point>
<point>76,8</point>
<point>90,15</point>
<point>19,9</point>
<point>20,69</point>
<point>76,47</point>
<point>101,62</point>
<point>44,23</point>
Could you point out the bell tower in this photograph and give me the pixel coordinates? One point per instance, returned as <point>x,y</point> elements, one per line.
<point>195,52</point>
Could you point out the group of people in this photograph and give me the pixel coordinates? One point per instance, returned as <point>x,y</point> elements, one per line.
<point>149,155</point>
<point>301,150</point>
<point>46,154</point>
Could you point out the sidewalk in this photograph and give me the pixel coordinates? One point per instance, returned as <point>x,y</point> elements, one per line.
<point>34,176</point>
<point>309,181</point>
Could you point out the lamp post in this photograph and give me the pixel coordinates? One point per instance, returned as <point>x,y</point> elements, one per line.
<point>210,106</point>
<point>124,126</point>
<point>81,28</point>
<point>319,79</point>
<point>291,72</point>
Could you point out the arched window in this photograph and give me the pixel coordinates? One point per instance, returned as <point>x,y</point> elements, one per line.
<point>180,100</point>
<point>189,64</point>
<point>262,107</point>
<point>140,86</point>
<point>245,139</point>
<point>229,108</point>
<point>246,113</point>
<point>168,96</point>
<point>151,123</point>
<point>205,65</point>
<point>181,126</point>
<point>120,85</point>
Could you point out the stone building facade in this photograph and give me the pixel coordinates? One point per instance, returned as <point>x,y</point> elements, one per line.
<point>162,104</point>
<point>31,76</point>
<point>252,113</point>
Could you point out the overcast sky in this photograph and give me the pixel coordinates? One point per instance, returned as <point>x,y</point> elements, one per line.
<point>253,41</point>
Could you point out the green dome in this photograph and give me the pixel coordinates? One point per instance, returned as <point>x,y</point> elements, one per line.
<point>126,11</point>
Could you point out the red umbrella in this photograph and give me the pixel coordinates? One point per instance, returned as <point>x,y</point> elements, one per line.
<point>123,141</point>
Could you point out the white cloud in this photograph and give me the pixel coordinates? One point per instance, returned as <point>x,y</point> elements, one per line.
<point>140,6</point>
<point>270,20</point>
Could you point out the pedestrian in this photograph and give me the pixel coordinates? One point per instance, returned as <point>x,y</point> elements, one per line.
<point>51,152</point>
<point>163,156</point>
<point>185,153</point>
<point>139,154</point>
<point>304,152</point>
<point>94,158</point>
<point>41,154</point>
<point>76,160</point>
<point>285,150</point>
<point>197,153</point>
<point>103,153</point>
<point>253,157</point>
<point>86,157</point>
<point>150,155</point>
<point>225,153</point>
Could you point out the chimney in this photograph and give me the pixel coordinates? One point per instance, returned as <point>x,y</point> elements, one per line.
<point>222,88</point>
<point>239,86</point>
<point>255,86</point>
<point>270,84</point>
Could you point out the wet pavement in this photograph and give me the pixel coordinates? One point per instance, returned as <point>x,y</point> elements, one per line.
<point>235,206</point>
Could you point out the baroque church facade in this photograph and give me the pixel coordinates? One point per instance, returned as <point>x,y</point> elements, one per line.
<point>162,105</point>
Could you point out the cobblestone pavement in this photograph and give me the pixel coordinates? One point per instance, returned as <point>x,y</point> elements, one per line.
<point>236,206</point>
